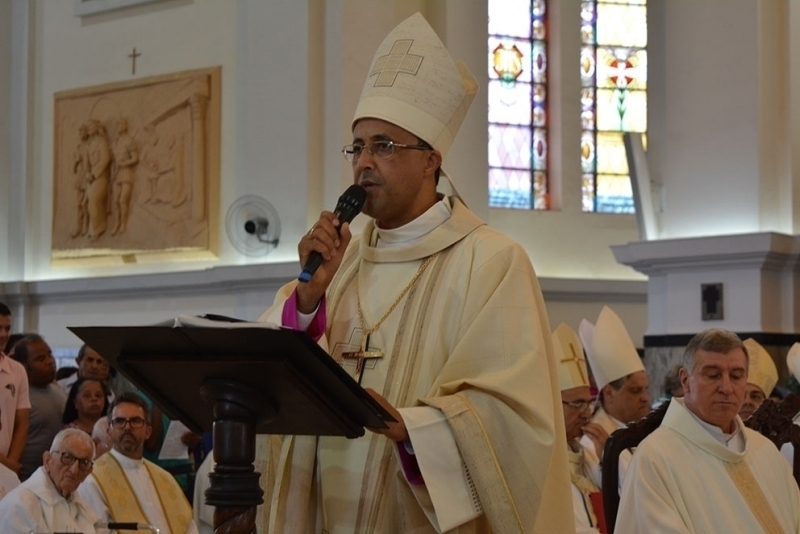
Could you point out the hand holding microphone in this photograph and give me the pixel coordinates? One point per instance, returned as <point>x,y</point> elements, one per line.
<point>323,236</point>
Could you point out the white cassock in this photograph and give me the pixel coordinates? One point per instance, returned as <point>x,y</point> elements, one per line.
<point>592,460</point>
<point>143,488</point>
<point>37,506</point>
<point>688,476</point>
<point>582,487</point>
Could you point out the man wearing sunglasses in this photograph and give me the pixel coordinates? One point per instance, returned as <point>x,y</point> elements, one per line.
<point>151,494</point>
<point>441,320</point>
<point>48,501</point>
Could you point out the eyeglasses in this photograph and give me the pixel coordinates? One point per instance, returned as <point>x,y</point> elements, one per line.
<point>580,405</point>
<point>120,422</point>
<point>380,149</point>
<point>69,459</point>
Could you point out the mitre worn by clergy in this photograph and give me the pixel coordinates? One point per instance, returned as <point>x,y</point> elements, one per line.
<point>762,376</point>
<point>441,317</point>
<point>702,470</point>
<point>616,364</point>
<point>573,381</point>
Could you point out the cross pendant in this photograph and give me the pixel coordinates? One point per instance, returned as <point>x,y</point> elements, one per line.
<point>362,356</point>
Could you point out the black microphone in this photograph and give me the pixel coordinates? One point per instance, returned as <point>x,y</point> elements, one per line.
<point>348,206</point>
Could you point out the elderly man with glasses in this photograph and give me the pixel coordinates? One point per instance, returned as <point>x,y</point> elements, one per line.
<point>125,487</point>
<point>47,501</point>
<point>576,399</point>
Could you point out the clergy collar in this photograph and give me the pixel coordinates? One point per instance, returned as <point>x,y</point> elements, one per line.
<point>680,419</point>
<point>733,440</point>
<point>126,462</point>
<point>460,224</point>
<point>414,231</point>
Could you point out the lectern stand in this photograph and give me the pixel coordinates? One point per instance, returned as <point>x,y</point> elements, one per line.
<point>238,382</point>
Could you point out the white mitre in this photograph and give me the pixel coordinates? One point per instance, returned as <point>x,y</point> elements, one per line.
<point>612,354</point>
<point>586,332</point>
<point>572,372</point>
<point>413,83</point>
<point>761,370</point>
<point>793,361</point>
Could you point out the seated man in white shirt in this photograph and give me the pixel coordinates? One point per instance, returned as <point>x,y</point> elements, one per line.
<point>47,501</point>
<point>151,495</point>
<point>702,470</point>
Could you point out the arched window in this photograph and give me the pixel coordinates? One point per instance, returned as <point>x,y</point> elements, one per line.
<point>613,98</point>
<point>518,143</point>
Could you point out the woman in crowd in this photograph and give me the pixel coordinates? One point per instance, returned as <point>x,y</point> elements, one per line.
<point>87,402</point>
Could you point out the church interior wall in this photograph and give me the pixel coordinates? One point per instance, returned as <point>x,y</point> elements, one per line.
<point>291,76</point>
<point>707,121</point>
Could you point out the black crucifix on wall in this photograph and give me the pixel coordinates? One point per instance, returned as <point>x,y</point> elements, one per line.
<point>711,295</point>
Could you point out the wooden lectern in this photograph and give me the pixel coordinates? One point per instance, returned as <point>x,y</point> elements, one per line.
<point>238,382</point>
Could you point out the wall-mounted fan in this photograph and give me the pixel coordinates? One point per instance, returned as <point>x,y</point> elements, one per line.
<point>253,225</point>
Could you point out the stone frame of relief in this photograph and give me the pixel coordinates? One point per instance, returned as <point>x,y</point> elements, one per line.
<point>136,168</point>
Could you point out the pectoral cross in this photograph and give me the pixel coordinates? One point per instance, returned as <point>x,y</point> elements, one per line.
<point>362,356</point>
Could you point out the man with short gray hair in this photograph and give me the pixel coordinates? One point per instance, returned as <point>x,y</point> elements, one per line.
<point>47,501</point>
<point>702,470</point>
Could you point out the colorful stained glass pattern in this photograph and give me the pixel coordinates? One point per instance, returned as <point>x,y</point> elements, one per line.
<point>613,67</point>
<point>518,118</point>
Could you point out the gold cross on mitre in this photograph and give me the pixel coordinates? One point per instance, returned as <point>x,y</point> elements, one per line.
<point>361,356</point>
<point>578,360</point>
<point>397,61</point>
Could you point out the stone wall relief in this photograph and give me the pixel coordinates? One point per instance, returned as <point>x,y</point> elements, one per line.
<point>136,167</point>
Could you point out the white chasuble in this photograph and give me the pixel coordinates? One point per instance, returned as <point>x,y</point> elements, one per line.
<point>682,479</point>
<point>471,340</point>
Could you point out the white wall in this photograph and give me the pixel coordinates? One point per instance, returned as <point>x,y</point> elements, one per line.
<point>292,71</point>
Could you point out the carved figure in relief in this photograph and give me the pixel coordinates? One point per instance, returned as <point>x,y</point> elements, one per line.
<point>80,168</point>
<point>149,161</point>
<point>99,176</point>
<point>126,156</point>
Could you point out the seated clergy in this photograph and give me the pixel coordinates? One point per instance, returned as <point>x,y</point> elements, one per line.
<point>762,375</point>
<point>576,400</point>
<point>47,501</point>
<point>702,470</point>
<point>621,381</point>
<point>125,487</point>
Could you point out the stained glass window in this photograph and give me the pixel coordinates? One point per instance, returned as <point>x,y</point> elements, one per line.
<point>518,143</point>
<point>613,98</point>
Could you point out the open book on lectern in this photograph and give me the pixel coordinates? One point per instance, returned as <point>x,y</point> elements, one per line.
<point>298,388</point>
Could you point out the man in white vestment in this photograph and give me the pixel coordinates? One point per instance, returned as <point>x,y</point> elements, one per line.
<point>442,320</point>
<point>702,470</point>
<point>47,501</point>
<point>762,376</point>
<point>622,384</point>
<point>125,487</point>
<point>573,379</point>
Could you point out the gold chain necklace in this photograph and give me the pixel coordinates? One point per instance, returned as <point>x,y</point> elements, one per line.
<point>370,331</point>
